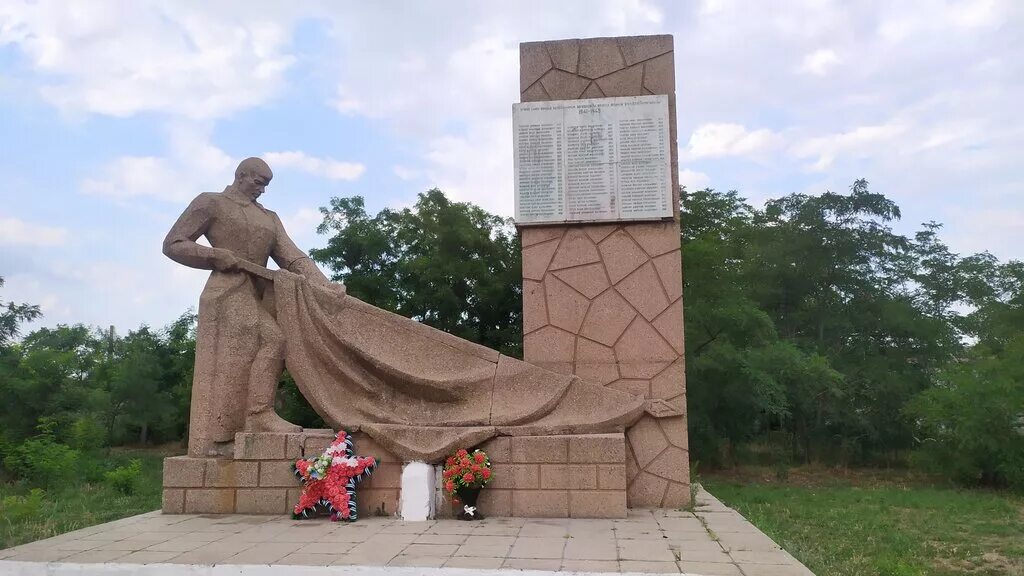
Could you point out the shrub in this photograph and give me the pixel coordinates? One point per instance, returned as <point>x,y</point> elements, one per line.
<point>41,461</point>
<point>16,509</point>
<point>87,434</point>
<point>970,427</point>
<point>125,479</point>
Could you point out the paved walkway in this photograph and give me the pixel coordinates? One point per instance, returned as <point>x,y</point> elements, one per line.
<point>712,541</point>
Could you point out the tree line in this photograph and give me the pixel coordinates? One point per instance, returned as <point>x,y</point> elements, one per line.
<point>814,333</point>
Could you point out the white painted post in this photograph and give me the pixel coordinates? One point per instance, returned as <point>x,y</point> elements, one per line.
<point>417,500</point>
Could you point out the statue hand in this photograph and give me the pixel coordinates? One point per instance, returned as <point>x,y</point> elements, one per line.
<point>224,261</point>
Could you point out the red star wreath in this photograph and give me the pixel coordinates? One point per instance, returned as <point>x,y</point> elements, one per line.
<point>329,480</point>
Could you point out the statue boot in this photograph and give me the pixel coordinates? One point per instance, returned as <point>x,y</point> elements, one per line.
<point>261,416</point>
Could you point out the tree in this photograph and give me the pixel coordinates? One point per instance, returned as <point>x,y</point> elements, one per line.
<point>11,317</point>
<point>450,265</point>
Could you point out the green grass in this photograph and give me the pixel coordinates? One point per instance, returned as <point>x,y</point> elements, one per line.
<point>873,526</point>
<point>77,503</point>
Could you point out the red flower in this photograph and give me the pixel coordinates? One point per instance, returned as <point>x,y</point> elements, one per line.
<point>479,457</point>
<point>449,486</point>
<point>475,468</point>
<point>466,462</point>
<point>450,461</point>
<point>486,473</point>
<point>467,478</point>
<point>462,452</point>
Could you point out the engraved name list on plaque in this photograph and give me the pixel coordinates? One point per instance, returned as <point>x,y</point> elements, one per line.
<point>592,160</point>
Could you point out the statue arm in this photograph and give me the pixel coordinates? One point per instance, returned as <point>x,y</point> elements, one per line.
<point>289,257</point>
<point>180,244</point>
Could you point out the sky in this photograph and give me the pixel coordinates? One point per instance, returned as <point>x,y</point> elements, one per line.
<point>115,114</point>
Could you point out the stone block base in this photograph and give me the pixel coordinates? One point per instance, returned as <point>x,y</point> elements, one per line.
<point>556,476</point>
<point>533,476</point>
<point>259,479</point>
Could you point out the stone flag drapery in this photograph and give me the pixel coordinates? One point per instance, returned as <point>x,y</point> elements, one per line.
<point>420,392</point>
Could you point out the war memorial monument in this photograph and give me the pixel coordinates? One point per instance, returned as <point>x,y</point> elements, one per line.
<point>586,436</point>
<point>591,422</point>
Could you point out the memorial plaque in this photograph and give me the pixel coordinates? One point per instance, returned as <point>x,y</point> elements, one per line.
<point>592,160</point>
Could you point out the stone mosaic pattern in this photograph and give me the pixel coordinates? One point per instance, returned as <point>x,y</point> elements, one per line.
<point>604,301</point>
<point>714,540</point>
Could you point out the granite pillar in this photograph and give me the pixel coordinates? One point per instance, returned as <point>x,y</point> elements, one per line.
<point>604,301</point>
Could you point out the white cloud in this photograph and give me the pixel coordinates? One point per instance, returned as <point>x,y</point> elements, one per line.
<point>449,95</point>
<point>475,167</point>
<point>406,173</point>
<point>864,140</point>
<point>713,140</point>
<point>193,165</point>
<point>908,19</point>
<point>693,180</point>
<point>819,62</point>
<point>121,58</point>
<point>325,167</point>
<point>17,232</point>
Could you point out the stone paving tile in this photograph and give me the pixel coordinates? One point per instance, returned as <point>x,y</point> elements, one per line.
<point>440,539</point>
<point>444,550</point>
<point>775,570</point>
<point>204,536</point>
<point>763,557</point>
<point>688,555</point>
<point>687,537</point>
<point>480,563</point>
<point>91,556</point>
<point>746,541</point>
<point>407,527</point>
<point>648,566</point>
<point>373,553</point>
<point>325,548</point>
<point>77,545</point>
<point>41,555</point>
<point>710,568</point>
<point>590,549</point>
<point>650,550</point>
<point>496,530</point>
<point>414,560</point>
<point>146,557</point>
<point>451,527</point>
<point>494,551</point>
<point>475,540</point>
<point>590,565</point>
<point>532,563</point>
<point>297,559</point>
<point>266,553</point>
<point>127,545</point>
<point>551,529</point>
<point>212,553</point>
<point>696,546</point>
<point>681,525</point>
<point>175,546</point>
<point>537,548</point>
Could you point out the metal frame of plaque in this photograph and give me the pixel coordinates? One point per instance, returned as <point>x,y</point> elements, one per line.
<point>592,160</point>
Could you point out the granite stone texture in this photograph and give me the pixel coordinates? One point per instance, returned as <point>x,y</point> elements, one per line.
<point>420,392</point>
<point>604,301</point>
<point>578,476</point>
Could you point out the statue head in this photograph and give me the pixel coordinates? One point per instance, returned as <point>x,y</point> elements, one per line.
<point>252,177</point>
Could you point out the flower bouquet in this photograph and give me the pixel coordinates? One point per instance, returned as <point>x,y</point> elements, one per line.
<point>465,474</point>
<point>329,480</point>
